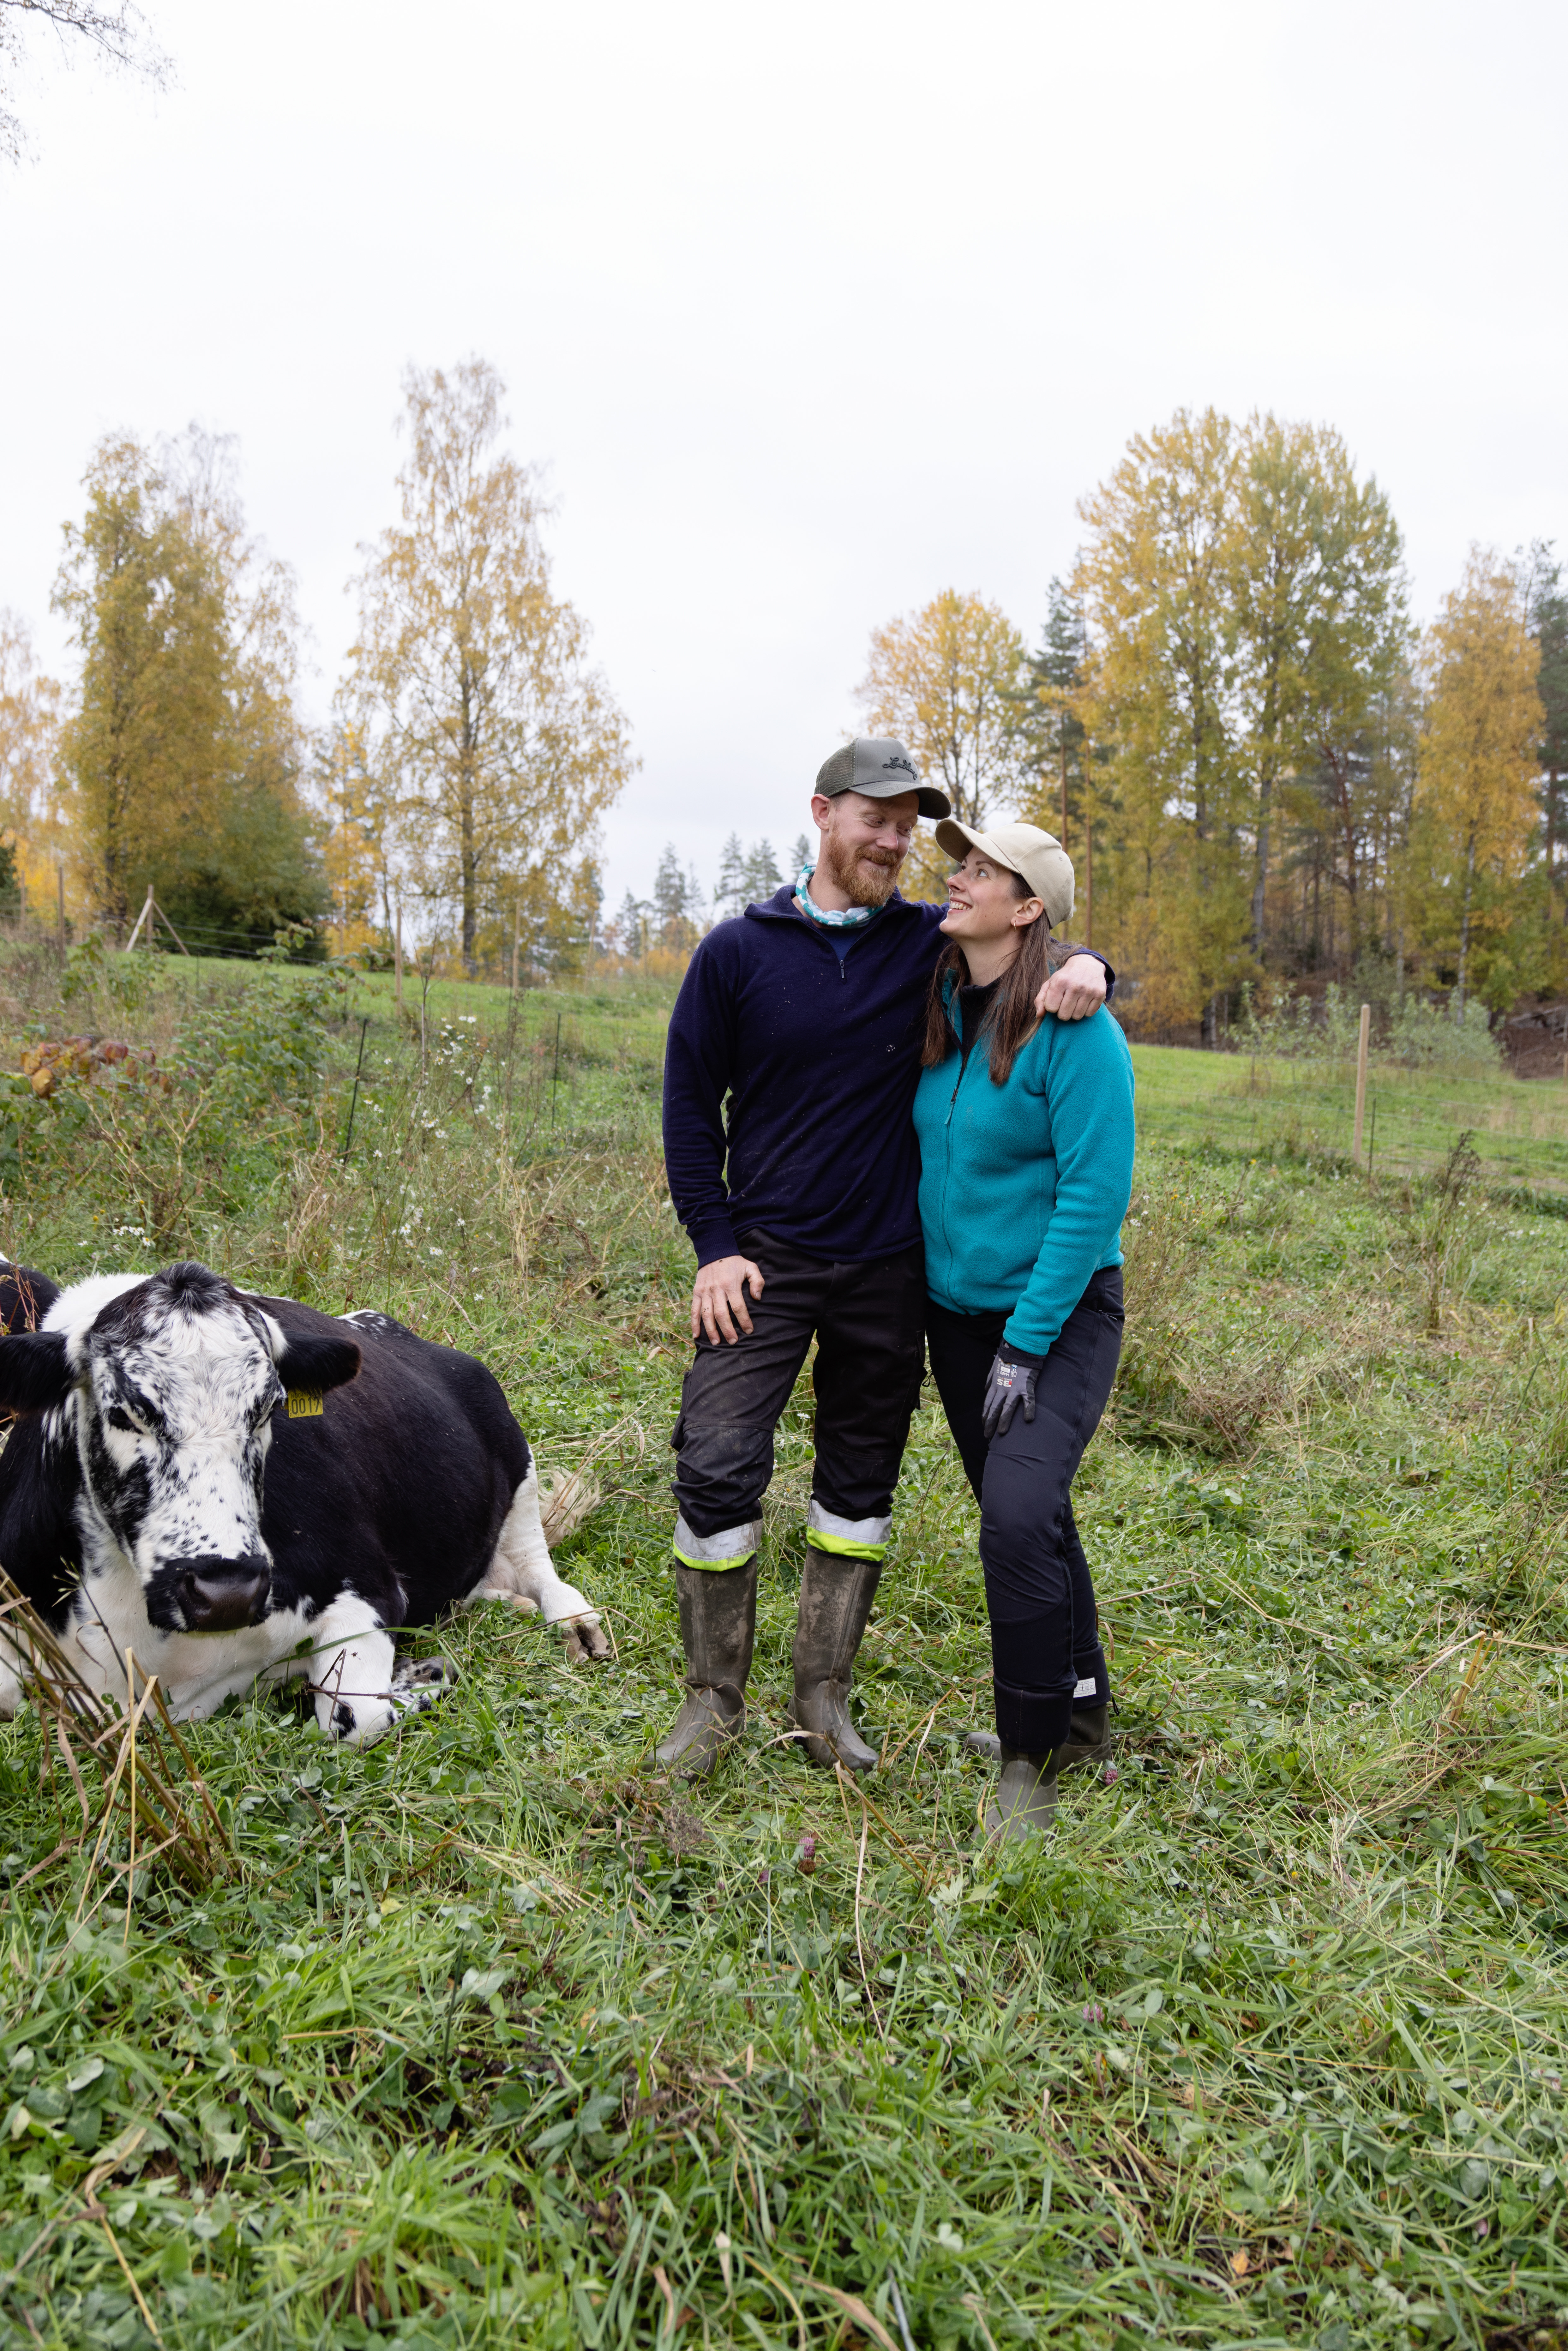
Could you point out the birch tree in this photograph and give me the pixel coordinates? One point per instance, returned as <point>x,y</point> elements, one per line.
<point>1154,581</point>
<point>944,681</point>
<point>1477,782</point>
<point>505,742</point>
<point>183,751</point>
<point>1317,590</point>
<point>29,739</point>
<point>116,37</point>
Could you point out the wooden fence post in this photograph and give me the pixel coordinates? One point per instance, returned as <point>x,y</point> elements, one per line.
<point>144,916</point>
<point>1361,1080</point>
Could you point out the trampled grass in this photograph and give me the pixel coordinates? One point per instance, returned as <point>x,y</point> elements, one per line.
<point>487,2037</point>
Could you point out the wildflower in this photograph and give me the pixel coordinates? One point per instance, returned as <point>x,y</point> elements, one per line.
<point>1092,2013</point>
<point>806,1855</point>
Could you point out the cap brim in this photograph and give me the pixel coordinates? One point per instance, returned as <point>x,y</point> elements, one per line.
<point>958,840</point>
<point>929,800</point>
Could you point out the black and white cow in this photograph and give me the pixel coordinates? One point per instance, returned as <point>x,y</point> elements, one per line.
<point>242,1489</point>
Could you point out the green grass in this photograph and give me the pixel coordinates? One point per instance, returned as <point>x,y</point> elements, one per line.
<point>488,2038</point>
<point>1239,1102</point>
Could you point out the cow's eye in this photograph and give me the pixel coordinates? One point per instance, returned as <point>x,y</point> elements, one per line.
<point>117,1417</point>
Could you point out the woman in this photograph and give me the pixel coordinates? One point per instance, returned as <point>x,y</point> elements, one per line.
<point>1026,1148</point>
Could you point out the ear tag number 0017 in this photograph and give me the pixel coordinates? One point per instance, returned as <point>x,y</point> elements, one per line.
<point>304,1403</point>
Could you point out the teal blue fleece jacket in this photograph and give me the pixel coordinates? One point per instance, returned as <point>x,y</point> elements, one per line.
<point>1023,1186</point>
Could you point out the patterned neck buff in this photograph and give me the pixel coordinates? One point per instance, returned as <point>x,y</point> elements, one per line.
<point>830,918</point>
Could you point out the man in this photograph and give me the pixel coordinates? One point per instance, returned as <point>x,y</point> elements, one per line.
<point>793,1055</point>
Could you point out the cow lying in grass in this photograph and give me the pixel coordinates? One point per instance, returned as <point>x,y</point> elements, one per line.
<point>241,1489</point>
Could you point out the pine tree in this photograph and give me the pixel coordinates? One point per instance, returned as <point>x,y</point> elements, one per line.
<point>801,855</point>
<point>669,901</point>
<point>632,924</point>
<point>762,874</point>
<point>730,891</point>
<point>1048,722</point>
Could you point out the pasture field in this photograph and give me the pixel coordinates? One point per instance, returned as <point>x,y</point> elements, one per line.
<point>483,2036</point>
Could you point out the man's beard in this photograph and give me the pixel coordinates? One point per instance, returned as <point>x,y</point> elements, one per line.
<point>865,876</point>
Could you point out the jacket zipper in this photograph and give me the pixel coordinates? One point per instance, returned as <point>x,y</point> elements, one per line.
<point>962,1065</point>
<point>947,1136</point>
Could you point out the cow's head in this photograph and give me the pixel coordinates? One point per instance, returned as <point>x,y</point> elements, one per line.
<point>173,1383</point>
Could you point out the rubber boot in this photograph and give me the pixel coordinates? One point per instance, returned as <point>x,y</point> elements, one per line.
<point>718,1626</point>
<point>1089,1740</point>
<point>835,1602</point>
<point>1025,1795</point>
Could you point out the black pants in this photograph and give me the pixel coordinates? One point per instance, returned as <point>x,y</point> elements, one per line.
<point>869,1323</point>
<point>1045,1636</point>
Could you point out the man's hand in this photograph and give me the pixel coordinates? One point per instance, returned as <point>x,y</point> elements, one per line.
<point>1072,993</point>
<point>719,1294</point>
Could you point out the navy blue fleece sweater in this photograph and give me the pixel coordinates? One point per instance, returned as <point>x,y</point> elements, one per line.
<point>789,1080</point>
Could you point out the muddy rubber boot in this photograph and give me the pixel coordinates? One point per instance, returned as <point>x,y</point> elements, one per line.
<point>835,1602</point>
<point>1025,1800</point>
<point>718,1625</point>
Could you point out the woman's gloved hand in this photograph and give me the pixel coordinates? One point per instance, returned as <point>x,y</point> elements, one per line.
<point>1008,1383</point>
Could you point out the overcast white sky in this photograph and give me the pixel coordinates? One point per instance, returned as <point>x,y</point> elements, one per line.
<point>809,312</point>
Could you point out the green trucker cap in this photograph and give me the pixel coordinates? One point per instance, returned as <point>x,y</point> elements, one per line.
<point>879,766</point>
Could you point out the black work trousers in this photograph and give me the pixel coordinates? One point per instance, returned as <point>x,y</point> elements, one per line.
<point>869,1324</point>
<point>1045,1632</point>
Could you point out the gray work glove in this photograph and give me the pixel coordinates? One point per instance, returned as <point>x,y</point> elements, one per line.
<point>1009,1382</point>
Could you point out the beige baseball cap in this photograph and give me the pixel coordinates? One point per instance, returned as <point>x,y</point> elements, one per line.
<point>1023,849</point>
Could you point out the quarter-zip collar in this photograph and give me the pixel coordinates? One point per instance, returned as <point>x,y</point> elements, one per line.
<point>839,942</point>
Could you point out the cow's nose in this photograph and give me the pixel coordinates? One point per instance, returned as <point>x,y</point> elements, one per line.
<point>221,1595</point>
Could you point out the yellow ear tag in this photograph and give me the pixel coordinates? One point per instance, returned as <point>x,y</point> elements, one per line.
<point>304,1403</point>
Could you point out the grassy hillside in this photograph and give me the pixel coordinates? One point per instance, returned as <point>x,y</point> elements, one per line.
<point>487,2037</point>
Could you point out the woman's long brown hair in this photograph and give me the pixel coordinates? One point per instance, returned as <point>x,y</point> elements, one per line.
<point>1012,1020</point>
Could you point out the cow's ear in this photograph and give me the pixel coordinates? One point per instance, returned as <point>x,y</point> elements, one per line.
<point>317,1363</point>
<point>34,1372</point>
<point>26,1296</point>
